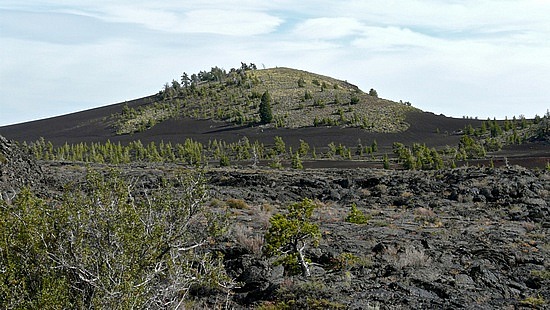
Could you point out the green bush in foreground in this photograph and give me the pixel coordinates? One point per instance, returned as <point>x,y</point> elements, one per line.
<point>105,246</point>
<point>290,234</point>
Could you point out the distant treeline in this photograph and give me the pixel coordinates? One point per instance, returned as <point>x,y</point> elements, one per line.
<point>193,152</point>
<point>475,143</point>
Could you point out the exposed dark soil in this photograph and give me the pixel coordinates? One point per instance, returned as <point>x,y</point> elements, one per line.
<point>428,128</point>
<point>91,126</point>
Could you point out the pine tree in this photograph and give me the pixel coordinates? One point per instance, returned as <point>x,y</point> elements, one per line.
<point>296,162</point>
<point>266,115</point>
<point>386,161</point>
<point>373,92</point>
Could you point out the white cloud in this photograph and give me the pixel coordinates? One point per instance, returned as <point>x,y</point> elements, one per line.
<point>484,57</point>
<point>394,38</point>
<point>236,18</point>
<point>211,21</point>
<point>150,18</point>
<point>447,15</point>
<point>236,23</point>
<point>328,28</point>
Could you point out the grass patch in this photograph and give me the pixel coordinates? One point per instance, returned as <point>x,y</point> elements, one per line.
<point>237,204</point>
<point>534,301</point>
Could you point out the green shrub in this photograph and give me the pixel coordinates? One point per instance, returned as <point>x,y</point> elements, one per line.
<point>470,148</point>
<point>290,234</point>
<point>354,99</point>
<point>356,216</point>
<point>106,245</point>
<point>27,234</point>
<point>276,164</point>
<point>303,150</point>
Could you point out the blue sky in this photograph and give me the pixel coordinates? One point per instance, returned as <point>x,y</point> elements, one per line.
<point>458,58</point>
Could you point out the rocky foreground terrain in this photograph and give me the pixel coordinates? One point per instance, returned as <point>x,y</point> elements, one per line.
<point>17,169</point>
<point>464,238</point>
<point>467,238</point>
<point>473,238</point>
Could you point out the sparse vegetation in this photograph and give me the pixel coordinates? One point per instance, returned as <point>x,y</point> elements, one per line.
<point>237,204</point>
<point>235,95</point>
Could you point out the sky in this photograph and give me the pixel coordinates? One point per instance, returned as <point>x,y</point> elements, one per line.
<point>476,58</point>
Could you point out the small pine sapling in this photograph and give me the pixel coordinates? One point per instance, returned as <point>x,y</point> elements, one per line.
<point>356,216</point>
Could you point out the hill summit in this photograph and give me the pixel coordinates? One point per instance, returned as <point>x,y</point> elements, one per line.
<point>298,99</point>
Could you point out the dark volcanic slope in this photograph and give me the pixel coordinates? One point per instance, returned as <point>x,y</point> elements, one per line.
<point>85,126</point>
<point>92,126</point>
